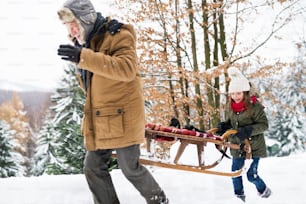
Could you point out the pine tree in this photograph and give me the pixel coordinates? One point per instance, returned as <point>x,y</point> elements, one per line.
<point>14,114</point>
<point>289,125</point>
<point>60,148</point>
<point>45,150</point>
<point>10,160</point>
<point>68,150</point>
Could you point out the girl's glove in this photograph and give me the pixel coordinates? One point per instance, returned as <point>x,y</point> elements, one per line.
<point>223,127</point>
<point>244,132</point>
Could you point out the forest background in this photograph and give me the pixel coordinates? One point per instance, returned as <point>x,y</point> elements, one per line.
<point>184,49</point>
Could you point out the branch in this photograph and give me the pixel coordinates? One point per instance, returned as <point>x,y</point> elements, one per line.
<point>273,31</point>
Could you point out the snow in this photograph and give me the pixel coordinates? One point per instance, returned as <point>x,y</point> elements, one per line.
<point>284,175</point>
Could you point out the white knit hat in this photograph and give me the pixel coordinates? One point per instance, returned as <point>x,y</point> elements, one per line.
<point>238,82</point>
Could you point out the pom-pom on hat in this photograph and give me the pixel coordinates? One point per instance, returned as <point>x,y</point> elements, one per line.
<point>239,82</point>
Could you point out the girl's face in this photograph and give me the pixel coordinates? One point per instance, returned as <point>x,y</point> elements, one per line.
<point>237,96</point>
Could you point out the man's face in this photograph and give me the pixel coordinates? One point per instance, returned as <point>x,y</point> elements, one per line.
<point>74,30</point>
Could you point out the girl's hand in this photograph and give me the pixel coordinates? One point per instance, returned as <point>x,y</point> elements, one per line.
<point>244,132</point>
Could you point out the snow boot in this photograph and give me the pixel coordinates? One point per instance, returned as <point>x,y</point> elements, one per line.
<point>165,201</point>
<point>266,194</point>
<point>160,198</point>
<point>242,197</point>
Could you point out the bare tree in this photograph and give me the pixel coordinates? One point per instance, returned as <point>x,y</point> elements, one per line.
<point>185,48</point>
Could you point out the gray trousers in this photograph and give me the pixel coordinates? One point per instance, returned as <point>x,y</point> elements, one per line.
<point>100,181</point>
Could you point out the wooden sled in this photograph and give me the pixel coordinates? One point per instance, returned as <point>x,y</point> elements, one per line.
<point>186,137</point>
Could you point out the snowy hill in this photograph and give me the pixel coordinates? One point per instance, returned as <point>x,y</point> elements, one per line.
<point>21,86</point>
<point>285,176</point>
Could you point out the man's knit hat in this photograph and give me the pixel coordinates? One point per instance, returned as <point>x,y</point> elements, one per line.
<point>83,11</point>
<point>238,83</point>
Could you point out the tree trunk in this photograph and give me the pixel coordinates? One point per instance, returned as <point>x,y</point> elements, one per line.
<point>182,81</point>
<point>195,66</point>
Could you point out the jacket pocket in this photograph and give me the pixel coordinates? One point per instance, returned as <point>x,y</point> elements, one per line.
<point>86,127</point>
<point>108,122</point>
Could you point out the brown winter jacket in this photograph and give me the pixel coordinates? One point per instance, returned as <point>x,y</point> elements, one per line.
<point>114,109</point>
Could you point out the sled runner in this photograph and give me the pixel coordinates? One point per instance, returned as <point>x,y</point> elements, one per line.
<point>167,136</point>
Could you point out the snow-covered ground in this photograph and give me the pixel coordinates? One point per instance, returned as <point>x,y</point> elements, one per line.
<point>286,176</point>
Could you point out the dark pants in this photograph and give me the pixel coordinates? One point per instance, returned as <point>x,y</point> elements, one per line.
<point>252,175</point>
<point>100,182</point>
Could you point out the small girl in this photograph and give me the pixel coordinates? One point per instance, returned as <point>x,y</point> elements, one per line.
<point>245,114</point>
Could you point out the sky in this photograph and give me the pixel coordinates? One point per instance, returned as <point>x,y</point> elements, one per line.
<point>31,33</point>
<point>284,175</point>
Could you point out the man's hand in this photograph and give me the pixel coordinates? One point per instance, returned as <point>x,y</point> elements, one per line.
<point>70,53</point>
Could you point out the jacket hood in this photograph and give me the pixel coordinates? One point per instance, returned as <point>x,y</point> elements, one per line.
<point>81,11</point>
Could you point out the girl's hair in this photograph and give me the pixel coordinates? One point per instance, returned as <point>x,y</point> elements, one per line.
<point>247,101</point>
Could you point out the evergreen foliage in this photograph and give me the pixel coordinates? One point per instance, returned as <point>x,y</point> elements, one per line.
<point>68,152</point>
<point>13,112</point>
<point>289,124</point>
<point>10,160</point>
<point>45,150</point>
<point>60,148</point>
<point>60,144</point>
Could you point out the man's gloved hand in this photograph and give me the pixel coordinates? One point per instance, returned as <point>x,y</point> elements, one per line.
<point>70,53</point>
<point>244,132</point>
<point>223,127</point>
<point>114,26</point>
